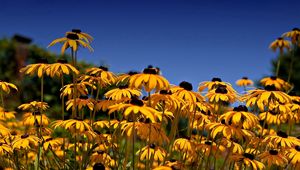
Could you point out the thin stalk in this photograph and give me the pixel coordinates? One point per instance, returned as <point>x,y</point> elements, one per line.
<point>292,62</point>
<point>278,63</point>
<point>2,99</point>
<point>133,153</point>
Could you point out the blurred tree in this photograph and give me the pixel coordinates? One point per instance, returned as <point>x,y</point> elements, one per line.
<point>16,53</point>
<point>286,68</point>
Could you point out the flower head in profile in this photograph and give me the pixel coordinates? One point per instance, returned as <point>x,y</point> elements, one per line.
<point>248,160</point>
<point>34,106</point>
<point>282,140</point>
<point>100,75</point>
<point>221,94</point>
<point>244,81</point>
<point>81,35</point>
<point>273,157</point>
<point>293,34</point>
<point>6,87</point>
<point>149,80</point>
<point>40,68</point>
<point>72,40</point>
<point>123,91</point>
<point>278,83</point>
<point>60,68</point>
<point>152,152</point>
<point>280,44</point>
<point>25,142</point>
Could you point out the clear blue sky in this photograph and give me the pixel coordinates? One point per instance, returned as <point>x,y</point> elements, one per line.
<point>191,40</point>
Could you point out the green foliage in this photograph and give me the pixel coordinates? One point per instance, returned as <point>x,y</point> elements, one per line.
<point>15,55</point>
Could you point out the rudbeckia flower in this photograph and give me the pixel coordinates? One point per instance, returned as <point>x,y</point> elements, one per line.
<point>282,139</point>
<point>81,102</point>
<point>35,118</point>
<point>122,92</point>
<point>102,75</point>
<point>184,92</point>
<point>25,141</point>
<point>280,44</point>
<point>274,117</point>
<point>221,94</point>
<point>48,141</point>
<point>103,158</point>
<point>60,68</point>
<point>244,81</point>
<point>240,117</point>
<point>232,145</point>
<point>5,148</point>
<point>165,100</point>
<point>71,40</point>
<point>124,77</point>
<point>183,145</point>
<point>6,87</point>
<point>149,79</point>
<point>273,157</point>
<point>248,160</point>
<point>6,115</point>
<point>294,35</point>
<point>136,107</point>
<point>208,147</point>
<point>81,35</point>
<point>213,84</point>
<point>152,151</point>
<point>293,154</point>
<point>103,105</point>
<point>73,125</point>
<point>40,68</point>
<point>278,83</point>
<point>82,90</point>
<point>34,106</point>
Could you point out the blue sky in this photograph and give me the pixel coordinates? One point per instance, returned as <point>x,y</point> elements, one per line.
<point>191,40</point>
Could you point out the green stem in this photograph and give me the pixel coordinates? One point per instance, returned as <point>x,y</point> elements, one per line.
<point>2,99</point>
<point>291,64</point>
<point>278,63</point>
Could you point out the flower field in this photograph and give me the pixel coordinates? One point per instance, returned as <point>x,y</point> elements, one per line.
<point>139,120</point>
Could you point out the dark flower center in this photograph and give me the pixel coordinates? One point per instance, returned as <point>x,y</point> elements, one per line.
<point>100,152</point>
<point>62,61</point>
<point>47,140</point>
<point>297,148</point>
<point>273,152</point>
<point>150,71</point>
<point>42,60</point>
<point>216,79</point>
<point>123,86</point>
<point>103,68</point>
<point>78,118</point>
<point>282,134</point>
<point>208,143</point>
<point>152,146</point>
<point>14,133</point>
<point>241,108</point>
<point>37,113</point>
<point>221,89</point>
<point>279,38</point>
<point>296,29</point>
<point>261,122</point>
<point>1,143</point>
<point>83,97</point>
<point>25,136</point>
<point>136,102</point>
<point>72,36</point>
<point>98,166</point>
<point>172,160</point>
<point>270,88</point>
<point>165,92</point>
<point>132,73</point>
<point>194,132</point>
<point>248,155</point>
<point>273,112</point>
<point>245,78</point>
<point>186,85</point>
<point>273,77</point>
<point>76,31</point>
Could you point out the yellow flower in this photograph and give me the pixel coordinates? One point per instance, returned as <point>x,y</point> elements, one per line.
<point>4,131</point>
<point>103,105</point>
<point>6,87</point>
<point>25,142</point>
<point>215,83</point>
<point>73,125</point>
<point>244,82</point>
<point>4,148</point>
<point>70,40</point>
<point>277,82</point>
<point>293,154</point>
<point>60,68</point>
<point>281,139</point>
<point>183,145</point>
<point>294,35</point>
<point>165,100</point>
<point>248,160</point>
<point>39,68</point>
<point>207,146</point>
<point>34,106</point>
<point>81,102</point>
<point>7,115</point>
<point>273,157</point>
<point>124,78</point>
<point>103,158</point>
<point>136,107</point>
<point>122,92</point>
<point>50,142</point>
<point>35,119</point>
<point>221,94</point>
<point>82,90</point>
<point>149,79</point>
<point>152,151</point>
<point>232,145</point>
<point>280,44</point>
<point>102,74</point>
<point>81,35</point>
<point>240,117</point>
